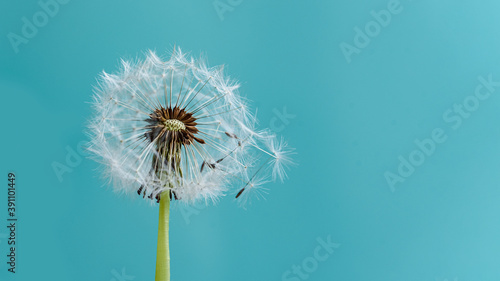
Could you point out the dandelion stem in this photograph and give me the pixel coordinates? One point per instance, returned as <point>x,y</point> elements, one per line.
<point>162,250</point>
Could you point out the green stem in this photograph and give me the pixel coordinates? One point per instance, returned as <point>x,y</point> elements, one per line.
<point>162,250</point>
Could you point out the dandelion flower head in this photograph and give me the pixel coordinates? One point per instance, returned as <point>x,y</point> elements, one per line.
<point>180,126</point>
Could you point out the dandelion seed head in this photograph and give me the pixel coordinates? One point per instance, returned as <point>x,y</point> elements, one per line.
<point>179,127</point>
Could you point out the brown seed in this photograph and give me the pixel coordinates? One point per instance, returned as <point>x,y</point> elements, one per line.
<point>239,193</point>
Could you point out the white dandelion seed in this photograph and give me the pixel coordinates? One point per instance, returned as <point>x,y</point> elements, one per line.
<point>254,189</point>
<point>281,158</point>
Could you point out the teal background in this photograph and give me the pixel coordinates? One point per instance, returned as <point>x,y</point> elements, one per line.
<point>352,121</point>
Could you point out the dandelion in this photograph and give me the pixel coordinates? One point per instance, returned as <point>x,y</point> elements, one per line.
<point>178,130</point>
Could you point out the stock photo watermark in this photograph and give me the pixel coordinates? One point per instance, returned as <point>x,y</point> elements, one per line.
<point>310,264</point>
<point>123,276</point>
<point>223,6</point>
<point>454,118</point>
<point>30,26</point>
<point>187,211</point>
<point>280,120</point>
<point>371,29</point>
<point>73,159</point>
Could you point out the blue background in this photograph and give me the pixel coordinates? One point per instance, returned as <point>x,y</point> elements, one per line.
<point>352,122</point>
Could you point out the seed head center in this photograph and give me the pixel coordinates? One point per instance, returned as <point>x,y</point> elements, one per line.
<point>174,125</point>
